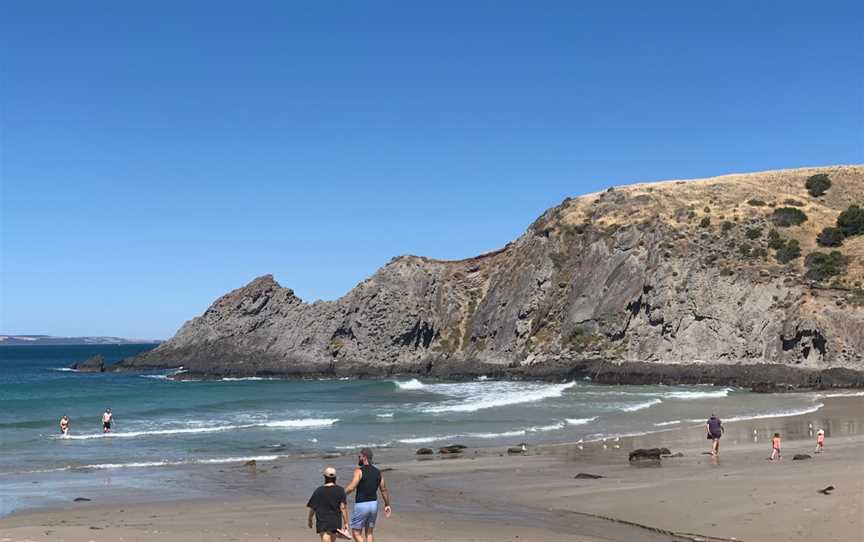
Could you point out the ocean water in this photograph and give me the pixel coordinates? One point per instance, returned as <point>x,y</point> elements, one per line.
<point>160,422</point>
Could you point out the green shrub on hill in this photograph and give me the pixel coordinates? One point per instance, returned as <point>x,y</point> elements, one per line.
<point>756,202</point>
<point>821,266</point>
<point>830,237</point>
<point>818,184</point>
<point>789,251</point>
<point>775,241</point>
<point>851,221</point>
<point>788,216</point>
<point>726,226</point>
<point>754,233</point>
<point>793,203</point>
<point>705,222</point>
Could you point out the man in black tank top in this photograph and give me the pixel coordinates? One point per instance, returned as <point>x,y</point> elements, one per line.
<point>367,481</point>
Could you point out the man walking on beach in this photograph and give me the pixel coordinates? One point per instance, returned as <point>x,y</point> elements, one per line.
<point>367,481</point>
<point>714,430</point>
<point>328,506</point>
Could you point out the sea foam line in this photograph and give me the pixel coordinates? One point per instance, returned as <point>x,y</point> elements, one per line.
<point>282,424</point>
<point>146,464</point>
<point>581,421</point>
<point>641,406</point>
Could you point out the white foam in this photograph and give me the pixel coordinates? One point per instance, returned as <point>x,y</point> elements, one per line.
<point>385,415</point>
<point>164,463</point>
<point>282,424</point>
<point>664,424</point>
<point>498,397</point>
<point>64,369</point>
<point>641,406</point>
<point>580,421</point>
<point>695,395</point>
<point>543,428</point>
<point>424,440</point>
<point>850,394</point>
<point>410,385</point>
<point>778,414</point>
<point>300,423</point>
<point>243,379</point>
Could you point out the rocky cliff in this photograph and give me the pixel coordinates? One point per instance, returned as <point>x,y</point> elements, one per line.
<point>704,280</point>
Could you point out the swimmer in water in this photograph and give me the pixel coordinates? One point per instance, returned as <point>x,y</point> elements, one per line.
<point>64,425</point>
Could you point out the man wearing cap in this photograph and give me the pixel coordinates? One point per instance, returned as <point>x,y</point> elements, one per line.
<point>368,481</point>
<point>327,505</point>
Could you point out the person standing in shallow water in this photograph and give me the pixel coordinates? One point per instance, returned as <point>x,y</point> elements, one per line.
<point>64,425</point>
<point>368,481</point>
<point>107,417</point>
<point>714,430</point>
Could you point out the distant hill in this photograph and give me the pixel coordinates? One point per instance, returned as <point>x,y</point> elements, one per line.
<point>47,340</point>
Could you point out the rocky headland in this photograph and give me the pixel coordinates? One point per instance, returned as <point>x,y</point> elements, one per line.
<point>752,280</point>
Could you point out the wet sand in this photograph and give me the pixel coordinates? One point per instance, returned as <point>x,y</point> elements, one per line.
<point>487,495</point>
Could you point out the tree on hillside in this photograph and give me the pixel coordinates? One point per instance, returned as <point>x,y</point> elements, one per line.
<point>818,184</point>
<point>851,221</point>
<point>830,237</point>
<point>788,216</point>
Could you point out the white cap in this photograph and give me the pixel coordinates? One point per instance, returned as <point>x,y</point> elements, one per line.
<point>329,472</point>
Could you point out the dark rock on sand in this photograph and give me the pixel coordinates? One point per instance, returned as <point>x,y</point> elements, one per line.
<point>799,457</point>
<point>81,499</point>
<point>452,449</point>
<point>95,364</point>
<point>425,451</point>
<point>250,463</point>
<point>827,490</point>
<point>643,456</point>
<point>587,476</point>
<point>665,451</point>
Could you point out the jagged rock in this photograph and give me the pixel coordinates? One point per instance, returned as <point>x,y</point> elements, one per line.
<point>95,364</point>
<point>665,451</point>
<point>425,451</point>
<point>587,476</point>
<point>799,457</point>
<point>250,463</point>
<point>452,449</point>
<point>627,276</point>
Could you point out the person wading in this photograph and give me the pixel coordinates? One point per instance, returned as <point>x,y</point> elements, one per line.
<point>367,481</point>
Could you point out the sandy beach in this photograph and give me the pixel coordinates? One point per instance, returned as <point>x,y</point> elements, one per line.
<point>486,495</point>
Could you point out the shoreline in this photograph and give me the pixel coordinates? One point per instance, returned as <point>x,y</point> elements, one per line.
<point>493,490</point>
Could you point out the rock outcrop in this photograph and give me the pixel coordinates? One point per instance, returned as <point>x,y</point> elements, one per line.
<point>95,364</point>
<point>676,281</point>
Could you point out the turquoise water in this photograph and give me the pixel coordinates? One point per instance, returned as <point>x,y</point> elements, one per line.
<point>160,422</point>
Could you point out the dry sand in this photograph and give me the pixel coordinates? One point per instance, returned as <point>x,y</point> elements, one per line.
<point>487,496</point>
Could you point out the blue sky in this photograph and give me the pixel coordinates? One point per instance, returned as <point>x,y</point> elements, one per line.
<point>154,156</point>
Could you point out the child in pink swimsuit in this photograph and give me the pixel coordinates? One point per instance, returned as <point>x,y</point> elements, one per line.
<point>820,441</point>
<point>775,447</point>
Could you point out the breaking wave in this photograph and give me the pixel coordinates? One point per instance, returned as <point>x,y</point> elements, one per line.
<point>641,406</point>
<point>410,385</point>
<point>581,421</point>
<point>496,396</point>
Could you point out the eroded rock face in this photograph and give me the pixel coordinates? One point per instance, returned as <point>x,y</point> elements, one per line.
<point>620,285</point>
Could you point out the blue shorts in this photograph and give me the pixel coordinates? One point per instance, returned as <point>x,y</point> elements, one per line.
<point>364,515</point>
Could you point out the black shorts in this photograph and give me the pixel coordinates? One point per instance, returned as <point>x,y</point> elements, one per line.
<point>327,526</point>
<point>712,436</point>
<point>106,425</point>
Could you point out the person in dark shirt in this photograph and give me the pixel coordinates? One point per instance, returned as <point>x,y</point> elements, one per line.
<point>327,505</point>
<point>714,430</point>
<point>367,481</point>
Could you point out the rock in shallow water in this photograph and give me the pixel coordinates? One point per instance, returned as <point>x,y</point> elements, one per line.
<point>95,364</point>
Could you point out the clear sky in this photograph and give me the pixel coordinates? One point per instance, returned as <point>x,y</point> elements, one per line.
<point>154,155</point>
